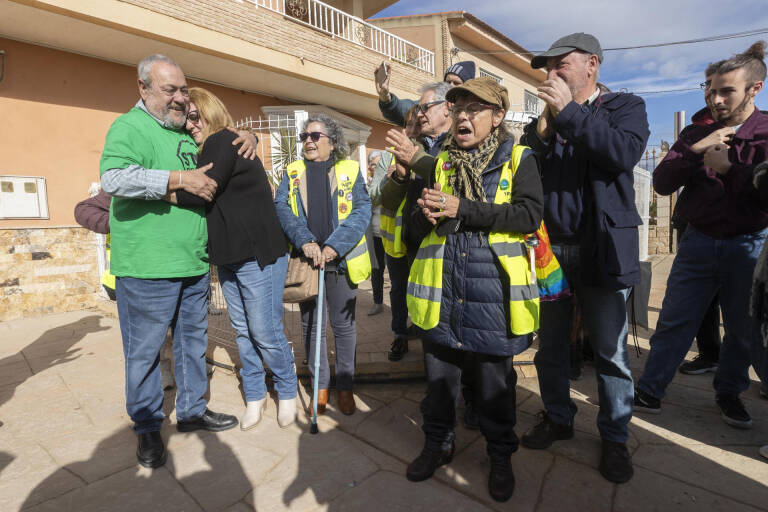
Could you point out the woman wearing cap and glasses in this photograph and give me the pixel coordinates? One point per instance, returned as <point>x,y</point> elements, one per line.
<point>248,247</point>
<point>324,208</point>
<point>470,287</point>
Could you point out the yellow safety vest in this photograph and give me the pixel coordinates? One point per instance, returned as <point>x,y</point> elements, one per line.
<point>107,279</point>
<point>426,278</point>
<point>392,231</point>
<point>345,173</point>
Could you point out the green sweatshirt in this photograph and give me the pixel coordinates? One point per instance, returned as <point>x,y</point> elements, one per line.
<point>153,239</point>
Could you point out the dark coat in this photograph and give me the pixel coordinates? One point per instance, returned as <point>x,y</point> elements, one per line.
<point>602,142</point>
<point>719,206</point>
<point>474,307</point>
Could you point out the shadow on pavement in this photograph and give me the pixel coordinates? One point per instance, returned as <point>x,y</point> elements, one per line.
<point>52,348</point>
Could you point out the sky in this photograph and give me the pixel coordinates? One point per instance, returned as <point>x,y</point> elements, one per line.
<point>621,23</point>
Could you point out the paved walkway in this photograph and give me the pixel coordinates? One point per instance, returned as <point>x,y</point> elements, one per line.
<point>66,444</point>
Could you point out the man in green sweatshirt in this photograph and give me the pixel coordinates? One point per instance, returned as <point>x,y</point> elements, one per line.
<point>159,255</point>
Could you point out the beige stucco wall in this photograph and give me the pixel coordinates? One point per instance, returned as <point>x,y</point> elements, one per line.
<point>56,108</point>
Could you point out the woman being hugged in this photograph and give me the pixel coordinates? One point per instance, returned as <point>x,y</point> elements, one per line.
<point>247,244</point>
<point>324,208</point>
<point>470,287</point>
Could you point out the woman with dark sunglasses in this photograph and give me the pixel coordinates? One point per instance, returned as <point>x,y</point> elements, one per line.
<point>324,208</point>
<point>247,245</point>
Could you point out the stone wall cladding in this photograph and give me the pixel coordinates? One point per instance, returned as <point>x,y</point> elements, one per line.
<point>47,271</point>
<point>272,30</point>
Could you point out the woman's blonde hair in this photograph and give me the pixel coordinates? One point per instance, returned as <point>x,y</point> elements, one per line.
<point>212,110</point>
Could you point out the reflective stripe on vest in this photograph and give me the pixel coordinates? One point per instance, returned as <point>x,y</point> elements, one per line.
<point>346,172</point>
<point>426,277</point>
<point>392,231</point>
<point>107,279</point>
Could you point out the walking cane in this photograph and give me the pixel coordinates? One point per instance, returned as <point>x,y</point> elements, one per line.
<point>318,334</point>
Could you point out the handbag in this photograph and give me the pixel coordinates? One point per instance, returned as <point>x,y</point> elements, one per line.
<point>300,280</point>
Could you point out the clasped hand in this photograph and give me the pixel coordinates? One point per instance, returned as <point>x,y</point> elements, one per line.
<point>436,204</point>
<point>319,256</point>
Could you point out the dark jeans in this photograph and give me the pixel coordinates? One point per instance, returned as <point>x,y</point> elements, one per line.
<point>340,300</point>
<point>377,272</point>
<point>493,397</point>
<point>708,337</point>
<point>398,277</point>
<point>705,266</point>
<point>604,315</point>
<point>147,307</point>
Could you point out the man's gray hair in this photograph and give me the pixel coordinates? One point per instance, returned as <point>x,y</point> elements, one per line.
<point>145,67</point>
<point>440,88</point>
<point>334,132</point>
<point>374,154</point>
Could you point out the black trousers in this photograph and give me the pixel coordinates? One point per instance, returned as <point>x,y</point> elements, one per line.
<point>493,397</point>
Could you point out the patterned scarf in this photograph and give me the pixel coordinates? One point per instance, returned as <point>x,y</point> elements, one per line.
<point>469,166</point>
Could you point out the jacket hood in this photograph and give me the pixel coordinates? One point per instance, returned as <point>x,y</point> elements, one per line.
<point>703,117</point>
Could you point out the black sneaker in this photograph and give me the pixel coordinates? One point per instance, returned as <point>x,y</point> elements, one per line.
<point>646,403</point>
<point>545,433</point>
<point>501,480</point>
<point>427,462</point>
<point>733,412</point>
<point>471,418</point>
<point>398,350</point>
<point>698,365</point>
<point>616,463</point>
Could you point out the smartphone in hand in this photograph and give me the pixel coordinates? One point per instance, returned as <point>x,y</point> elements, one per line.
<point>382,73</point>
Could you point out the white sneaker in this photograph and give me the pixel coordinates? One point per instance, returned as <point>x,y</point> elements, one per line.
<point>764,451</point>
<point>375,309</point>
<point>252,415</point>
<point>286,412</point>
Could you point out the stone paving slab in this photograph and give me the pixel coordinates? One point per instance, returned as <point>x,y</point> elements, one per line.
<point>66,443</point>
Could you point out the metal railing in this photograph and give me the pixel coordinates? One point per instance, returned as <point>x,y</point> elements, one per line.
<point>338,23</point>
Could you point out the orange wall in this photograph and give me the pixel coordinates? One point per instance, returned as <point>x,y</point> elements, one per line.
<point>56,108</point>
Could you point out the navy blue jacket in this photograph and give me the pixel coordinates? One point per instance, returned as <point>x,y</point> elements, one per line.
<point>588,178</point>
<point>474,307</point>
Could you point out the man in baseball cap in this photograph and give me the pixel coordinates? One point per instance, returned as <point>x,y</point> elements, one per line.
<point>589,141</point>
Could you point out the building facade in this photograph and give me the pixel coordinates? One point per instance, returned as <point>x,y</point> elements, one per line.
<point>67,70</point>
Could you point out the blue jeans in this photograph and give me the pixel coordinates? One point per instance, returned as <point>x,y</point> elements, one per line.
<point>703,267</point>
<point>605,317</point>
<point>255,303</point>
<point>147,307</point>
<point>398,277</point>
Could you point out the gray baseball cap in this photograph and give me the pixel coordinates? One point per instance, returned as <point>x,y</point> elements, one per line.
<point>578,41</point>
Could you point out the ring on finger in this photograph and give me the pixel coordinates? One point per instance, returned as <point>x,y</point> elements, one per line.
<point>442,199</point>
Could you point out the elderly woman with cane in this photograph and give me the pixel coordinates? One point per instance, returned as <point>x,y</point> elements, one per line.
<point>472,287</point>
<point>324,209</point>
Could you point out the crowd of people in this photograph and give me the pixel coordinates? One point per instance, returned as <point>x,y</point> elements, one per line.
<point>486,239</point>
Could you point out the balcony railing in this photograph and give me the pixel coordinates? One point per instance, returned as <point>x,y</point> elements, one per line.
<point>338,23</point>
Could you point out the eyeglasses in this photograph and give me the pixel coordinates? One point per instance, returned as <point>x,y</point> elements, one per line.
<point>193,116</point>
<point>472,109</point>
<point>426,106</point>
<point>315,136</point>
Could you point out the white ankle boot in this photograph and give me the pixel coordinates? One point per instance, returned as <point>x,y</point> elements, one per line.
<point>252,414</point>
<point>286,412</point>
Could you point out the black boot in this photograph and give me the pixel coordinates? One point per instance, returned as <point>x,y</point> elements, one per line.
<point>151,450</point>
<point>501,481</point>
<point>427,462</point>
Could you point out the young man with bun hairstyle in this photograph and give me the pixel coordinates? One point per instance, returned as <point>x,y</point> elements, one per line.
<point>714,163</point>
